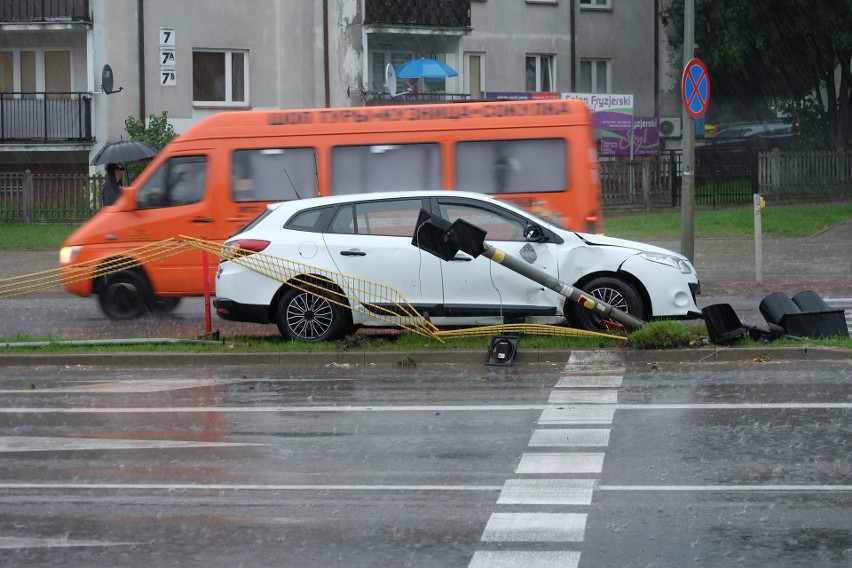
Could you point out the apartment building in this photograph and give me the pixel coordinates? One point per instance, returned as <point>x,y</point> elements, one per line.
<point>191,58</point>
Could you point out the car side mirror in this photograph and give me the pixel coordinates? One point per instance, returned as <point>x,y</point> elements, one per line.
<point>534,233</point>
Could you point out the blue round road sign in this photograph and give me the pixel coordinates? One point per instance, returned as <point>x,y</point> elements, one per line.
<point>695,88</point>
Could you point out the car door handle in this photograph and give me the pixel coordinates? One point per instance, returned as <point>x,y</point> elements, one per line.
<point>353,252</point>
<point>462,258</point>
<point>202,220</point>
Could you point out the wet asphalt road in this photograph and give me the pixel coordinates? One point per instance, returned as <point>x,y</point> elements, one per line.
<point>587,462</point>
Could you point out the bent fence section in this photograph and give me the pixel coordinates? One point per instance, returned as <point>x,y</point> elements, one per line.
<point>723,178</point>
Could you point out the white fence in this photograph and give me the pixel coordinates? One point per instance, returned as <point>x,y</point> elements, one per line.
<point>802,175</point>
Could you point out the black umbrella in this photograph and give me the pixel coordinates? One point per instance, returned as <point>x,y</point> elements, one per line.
<point>124,151</point>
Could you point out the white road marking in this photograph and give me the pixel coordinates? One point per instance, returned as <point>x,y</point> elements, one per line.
<point>613,381</point>
<point>461,488</point>
<point>237,487</point>
<point>527,559</point>
<point>52,444</point>
<point>574,462</point>
<point>547,492</point>
<point>131,386</point>
<point>260,409</point>
<point>582,414</point>
<point>570,437</point>
<point>9,542</point>
<point>723,488</point>
<point>586,396</point>
<point>153,385</point>
<point>741,406</point>
<point>431,408</point>
<point>535,527</point>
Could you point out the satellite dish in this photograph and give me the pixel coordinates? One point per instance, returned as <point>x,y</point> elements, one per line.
<point>390,80</point>
<point>107,81</point>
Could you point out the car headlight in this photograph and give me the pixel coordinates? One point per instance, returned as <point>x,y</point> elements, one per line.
<point>668,260</point>
<point>68,254</point>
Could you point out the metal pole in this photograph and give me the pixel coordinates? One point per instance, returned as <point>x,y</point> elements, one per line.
<point>687,197</point>
<point>758,241</point>
<point>577,296</point>
<point>205,266</point>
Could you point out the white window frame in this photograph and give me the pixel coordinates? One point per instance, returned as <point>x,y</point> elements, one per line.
<point>596,4</point>
<point>594,70</point>
<point>228,102</point>
<point>539,57</point>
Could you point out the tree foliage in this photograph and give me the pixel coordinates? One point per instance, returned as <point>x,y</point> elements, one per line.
<point>158,133</point>
<point>794,56</point>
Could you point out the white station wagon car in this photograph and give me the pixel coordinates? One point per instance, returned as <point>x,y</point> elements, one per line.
<point>369,236</point>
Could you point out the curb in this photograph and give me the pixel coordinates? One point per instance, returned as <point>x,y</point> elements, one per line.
<point>403,359</point>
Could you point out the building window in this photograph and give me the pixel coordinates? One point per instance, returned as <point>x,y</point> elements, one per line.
<point>220,77</point>
<point>539,71</point>
<point>596,4</point>
<point>33,71</point>
<point>594,75</point>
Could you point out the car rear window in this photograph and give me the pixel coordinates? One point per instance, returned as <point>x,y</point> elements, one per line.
<point>313,220</point>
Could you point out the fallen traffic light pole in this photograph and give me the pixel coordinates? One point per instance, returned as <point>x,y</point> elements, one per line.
<point>443,239</point>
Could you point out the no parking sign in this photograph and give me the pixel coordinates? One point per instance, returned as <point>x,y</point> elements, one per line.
<point>695,88</point>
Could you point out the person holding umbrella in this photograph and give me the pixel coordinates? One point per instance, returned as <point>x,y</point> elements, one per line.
<point>111,189</point>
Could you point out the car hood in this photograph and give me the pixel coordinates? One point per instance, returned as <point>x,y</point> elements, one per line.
<point>604,241</point>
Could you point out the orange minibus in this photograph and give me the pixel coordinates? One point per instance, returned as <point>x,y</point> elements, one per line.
<point>223,171</point>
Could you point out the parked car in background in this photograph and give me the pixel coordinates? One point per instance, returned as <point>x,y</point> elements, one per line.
<point>369,236</point>
<point>761,136</point>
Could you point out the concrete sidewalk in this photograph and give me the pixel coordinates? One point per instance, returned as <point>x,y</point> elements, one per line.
<point>790,264</point>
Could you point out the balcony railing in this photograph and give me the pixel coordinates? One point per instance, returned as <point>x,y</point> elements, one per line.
<point>44,10</point>
<point>426,13</point>
<point>45,117</point>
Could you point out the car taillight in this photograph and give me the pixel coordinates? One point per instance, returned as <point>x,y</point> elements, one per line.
<point>242,247</point>
<point>592,224</point>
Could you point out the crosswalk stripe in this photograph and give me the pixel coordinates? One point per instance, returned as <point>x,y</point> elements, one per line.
<point>535,527</point>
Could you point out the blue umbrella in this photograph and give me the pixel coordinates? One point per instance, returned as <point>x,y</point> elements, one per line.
<point>425,68</point>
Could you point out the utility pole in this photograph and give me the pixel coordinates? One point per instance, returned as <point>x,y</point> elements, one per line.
<point>687,194</point>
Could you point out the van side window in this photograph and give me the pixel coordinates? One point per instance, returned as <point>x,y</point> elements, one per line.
<point>385,167</point>
<point>512,166</point>
<point>274,174</point>
<point>178,181</point>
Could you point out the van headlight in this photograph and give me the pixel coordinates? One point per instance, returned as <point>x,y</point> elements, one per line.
<point>68,254</point>
<point>669,260</point>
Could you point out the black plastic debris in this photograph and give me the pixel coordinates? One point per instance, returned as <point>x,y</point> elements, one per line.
<point>806,314</point>
<point>502,350</point>
<point>724,326</point>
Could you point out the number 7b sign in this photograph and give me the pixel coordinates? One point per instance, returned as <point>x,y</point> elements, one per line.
<point>695,88</point>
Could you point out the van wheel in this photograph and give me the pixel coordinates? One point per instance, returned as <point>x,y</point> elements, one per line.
<point>306,317</point>
<point>125,295</point>
<point>165,305</point>
<point>613,291</point>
